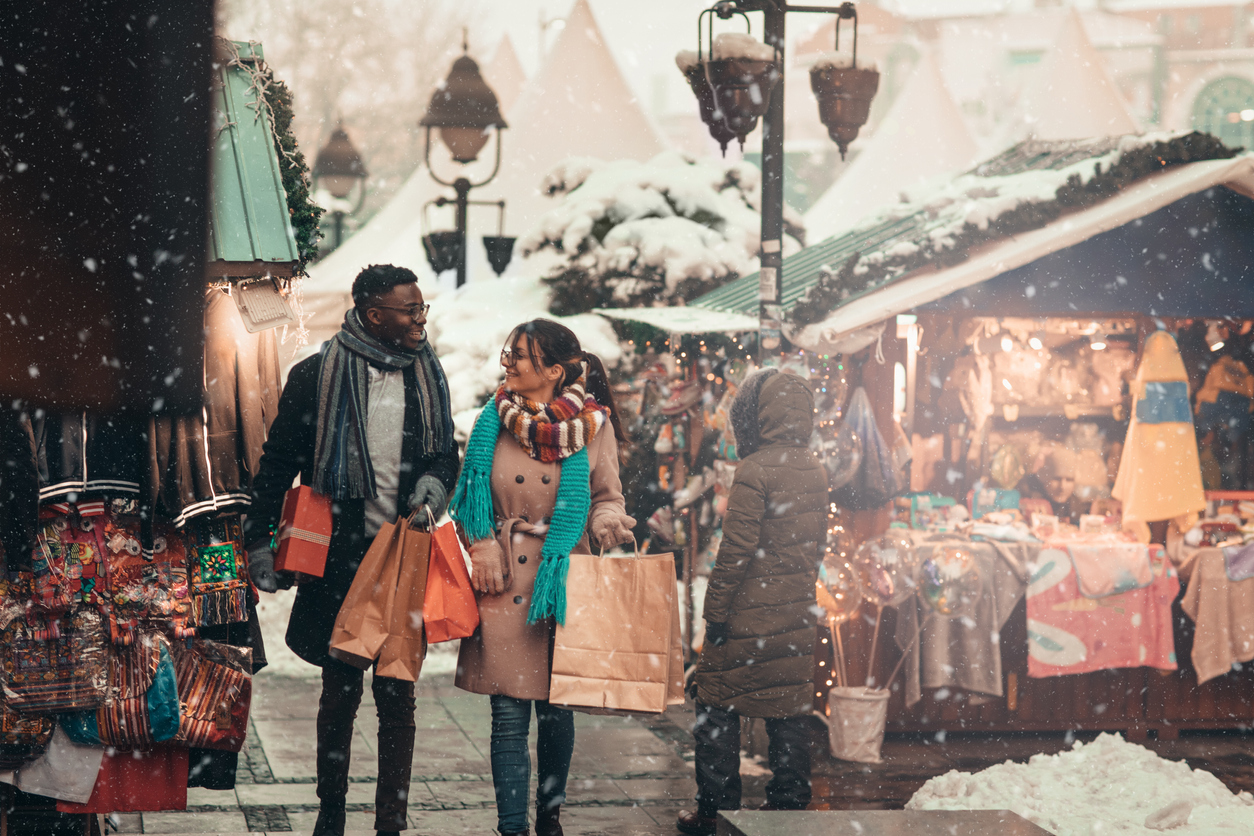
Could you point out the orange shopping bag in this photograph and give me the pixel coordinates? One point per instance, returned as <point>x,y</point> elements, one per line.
<point>450,610</point>
<point>403,650</point>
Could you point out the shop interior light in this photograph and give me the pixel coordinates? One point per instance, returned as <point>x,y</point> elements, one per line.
<point>1097,343</point>
<point>1036,343</point>
<point>1214,338</point>
<point>1007,344</point>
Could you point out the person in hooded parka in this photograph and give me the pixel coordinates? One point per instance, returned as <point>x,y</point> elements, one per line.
<point>759,606</point>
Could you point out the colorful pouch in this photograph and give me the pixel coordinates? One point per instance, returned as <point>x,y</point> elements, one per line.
<point>217,577</point>
<point>46,674</point>
<point>215,686</point>
<point>141,706</point>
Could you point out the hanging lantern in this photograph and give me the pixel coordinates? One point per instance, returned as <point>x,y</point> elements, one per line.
<point>732,80</point>
<point>844,92</point>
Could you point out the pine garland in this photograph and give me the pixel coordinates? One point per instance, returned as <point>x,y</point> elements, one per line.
<point>294,169</point>
<point>857,275</point>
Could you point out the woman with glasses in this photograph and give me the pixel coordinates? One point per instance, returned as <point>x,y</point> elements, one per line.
<point>540,476</point>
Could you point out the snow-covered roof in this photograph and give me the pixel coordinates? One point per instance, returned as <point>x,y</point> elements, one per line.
<point>924,119</point>
<point>1037,198</point>
<point>505,75</point>
<point>684,319</point>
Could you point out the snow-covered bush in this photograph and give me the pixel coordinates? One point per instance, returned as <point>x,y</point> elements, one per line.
<point>631,234</point>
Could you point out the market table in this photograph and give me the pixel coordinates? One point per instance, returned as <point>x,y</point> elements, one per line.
<point>1222,611</point>
<point>876,823</point>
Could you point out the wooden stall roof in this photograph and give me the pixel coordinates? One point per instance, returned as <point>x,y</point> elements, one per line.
<point>955,223</point>
<point>250,231</point>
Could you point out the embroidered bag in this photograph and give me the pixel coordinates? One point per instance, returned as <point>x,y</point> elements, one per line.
<point>132,577</point>
<point>141,705</point>
<point>67,562</point>
<point>66,672</point>
<point>215,686</point>
<point>216,574</point>
<point>171,603</point>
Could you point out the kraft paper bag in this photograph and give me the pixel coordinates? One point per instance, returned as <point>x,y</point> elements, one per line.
<point>403,650</point>
<point>449,609</point>
<point>619,649</point>
<point>363,620</point>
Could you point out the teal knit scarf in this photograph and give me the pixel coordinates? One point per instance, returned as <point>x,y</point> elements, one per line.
<point>472,507</point>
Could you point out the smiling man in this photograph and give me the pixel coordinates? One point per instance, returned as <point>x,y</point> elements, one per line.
<point>366,422</point>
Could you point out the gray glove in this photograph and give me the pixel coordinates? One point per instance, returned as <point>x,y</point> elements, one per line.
<point>430,492</point>
<point>261,567</point>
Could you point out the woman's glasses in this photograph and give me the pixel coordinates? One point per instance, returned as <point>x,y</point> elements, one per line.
<point>510,357</point>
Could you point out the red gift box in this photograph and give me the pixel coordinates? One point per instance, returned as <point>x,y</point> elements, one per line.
<point>304,532</point>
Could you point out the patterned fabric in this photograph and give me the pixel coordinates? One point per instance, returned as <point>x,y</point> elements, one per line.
<point>22,738</point>
<point>171,602</point>
<point>217,576</point>
<point>552,431</point>
<point>342,468</point>
<point>55,674</point>
<point>216,689</point>
<point>68,561</point>
<point>141,705</point>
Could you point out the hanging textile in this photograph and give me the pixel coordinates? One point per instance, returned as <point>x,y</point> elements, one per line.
<point>217,577</point>
<point>875,482</point>
<point>1160,474</point>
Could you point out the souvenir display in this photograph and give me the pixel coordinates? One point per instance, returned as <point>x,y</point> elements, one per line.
<point>217,577</point>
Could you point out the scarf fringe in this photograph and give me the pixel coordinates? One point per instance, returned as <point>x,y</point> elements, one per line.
<point>548,599</point>
<point>220,606</point>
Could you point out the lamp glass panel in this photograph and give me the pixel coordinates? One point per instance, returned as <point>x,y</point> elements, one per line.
<point>338,185</point>
<point>464,143</point>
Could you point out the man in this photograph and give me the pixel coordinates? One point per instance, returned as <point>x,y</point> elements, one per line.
<point>759,607</point>
<point>1055,482</point>
<point>366,422</point>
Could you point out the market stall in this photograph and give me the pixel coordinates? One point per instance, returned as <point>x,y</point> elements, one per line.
<point>129,633</point>
<point>1000,322</point>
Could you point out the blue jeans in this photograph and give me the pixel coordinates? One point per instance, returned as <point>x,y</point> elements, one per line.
<point>511,760</point>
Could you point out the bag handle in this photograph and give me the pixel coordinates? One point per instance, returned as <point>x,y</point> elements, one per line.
<point>409,520</point>
<point>635,547</point>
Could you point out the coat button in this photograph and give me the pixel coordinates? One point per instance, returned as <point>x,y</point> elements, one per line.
<point>522,558</point>
<point>546,478</point>
<point>524,518</point>
<point>519,478</point>
<point>517,599</point>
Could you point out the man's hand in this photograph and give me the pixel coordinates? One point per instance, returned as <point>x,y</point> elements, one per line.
<point>487,567</point>
<point>716,633</point>
<point>261,567</point>
<point>429,492</point>
<point>611,529</point>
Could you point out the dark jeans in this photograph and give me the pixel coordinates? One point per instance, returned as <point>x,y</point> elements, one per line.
<point>511,760</point>
<point>717,734</point>
<point>394,699</point>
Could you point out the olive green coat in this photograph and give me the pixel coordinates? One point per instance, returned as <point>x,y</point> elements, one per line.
<point>762,585</point>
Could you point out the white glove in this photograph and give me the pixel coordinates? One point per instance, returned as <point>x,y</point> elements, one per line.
<point>487,567</point>
<point>611,529</point>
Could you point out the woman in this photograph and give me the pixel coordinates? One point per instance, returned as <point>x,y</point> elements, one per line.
<point>541,468</point>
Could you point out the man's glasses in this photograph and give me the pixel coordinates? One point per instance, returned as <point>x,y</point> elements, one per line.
<point>509,357</point>
<point>413,311</point>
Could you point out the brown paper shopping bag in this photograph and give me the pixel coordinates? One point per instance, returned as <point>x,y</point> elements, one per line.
<point>403,650</point>
<point>619,649</point>
<point>450,610</point>
<point>363,620</point>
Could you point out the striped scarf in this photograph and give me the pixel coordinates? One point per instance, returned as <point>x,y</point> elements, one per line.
<point>342,468</point>
<point>556,430</point>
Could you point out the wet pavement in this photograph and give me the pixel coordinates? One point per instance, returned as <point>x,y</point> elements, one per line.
<point>628,776</point>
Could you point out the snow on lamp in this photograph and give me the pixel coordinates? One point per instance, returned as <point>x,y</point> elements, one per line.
<point>844,90</point>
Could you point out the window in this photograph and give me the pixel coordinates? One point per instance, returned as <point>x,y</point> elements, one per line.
<point>1225,108</point>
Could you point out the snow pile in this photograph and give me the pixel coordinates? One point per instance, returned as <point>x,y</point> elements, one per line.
<point>1107,786</point>
<point>469,326</point>
<point>627,234</point>
<point>729,45</point>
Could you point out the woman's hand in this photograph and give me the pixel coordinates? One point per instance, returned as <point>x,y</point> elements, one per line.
<point>487,567</point>
<point>611,529</point>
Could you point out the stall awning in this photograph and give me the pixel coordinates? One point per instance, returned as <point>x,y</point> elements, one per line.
<point>250,231</point>
<point>685,320</point>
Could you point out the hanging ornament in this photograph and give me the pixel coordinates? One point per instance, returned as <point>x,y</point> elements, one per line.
<point>949,582</point>
<point>886,566</point>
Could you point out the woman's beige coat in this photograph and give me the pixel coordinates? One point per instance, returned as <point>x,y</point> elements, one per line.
<point>506,655</point>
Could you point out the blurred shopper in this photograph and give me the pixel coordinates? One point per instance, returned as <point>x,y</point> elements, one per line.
<point>541,473</point>
<point>759,607</point>
<point>367,422</point>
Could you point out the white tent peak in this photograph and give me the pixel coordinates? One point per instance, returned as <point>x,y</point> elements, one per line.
<point>1072,95</point>
<point>505,74</point>
<point>922,136</point>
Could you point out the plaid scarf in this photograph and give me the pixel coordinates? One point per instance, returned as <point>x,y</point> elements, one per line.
<point>552,431</point>
<point>342,468</point>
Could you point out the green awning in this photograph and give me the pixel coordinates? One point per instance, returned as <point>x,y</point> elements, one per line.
<point>250,231</point>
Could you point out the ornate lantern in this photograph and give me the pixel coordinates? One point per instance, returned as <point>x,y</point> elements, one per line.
<point>733,84</point>
<point>463,109</point>
<point>844,92</point>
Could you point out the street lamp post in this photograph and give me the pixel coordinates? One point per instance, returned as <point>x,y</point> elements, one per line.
<point>731,92</point>
<point>338,168</point>
<point>463,110</point>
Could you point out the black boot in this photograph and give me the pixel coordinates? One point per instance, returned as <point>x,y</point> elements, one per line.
<point>547,823</point>
<point>330,822</point>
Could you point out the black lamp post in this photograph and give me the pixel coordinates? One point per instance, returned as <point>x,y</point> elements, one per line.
<point>463,110</point>
<point>338,169</point>
<point>734,93</point>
